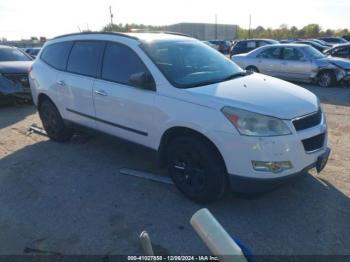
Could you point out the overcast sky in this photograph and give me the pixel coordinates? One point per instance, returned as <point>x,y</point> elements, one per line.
<point>24,18</point>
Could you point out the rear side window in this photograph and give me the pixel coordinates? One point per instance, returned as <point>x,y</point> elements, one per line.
<point>56,55</point>
<point>251,44</point>
<point>120,62</point>
<point>85,58</point>
<point>290,53</point>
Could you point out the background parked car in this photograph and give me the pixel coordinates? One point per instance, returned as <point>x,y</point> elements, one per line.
<point>334,40</point>
<point>315,45</point>
<point>296,63</point>
<point>321,42</point>
<point>14,67</point>
<point>286,41</point>
<point>33,52</point>
<point>245,46</point>
<point>342,51</point>
<point>346,37</point>
<point>211,45</point>
<point>222,45</point>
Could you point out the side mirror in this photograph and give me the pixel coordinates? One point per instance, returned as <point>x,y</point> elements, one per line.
<point>142,80</point>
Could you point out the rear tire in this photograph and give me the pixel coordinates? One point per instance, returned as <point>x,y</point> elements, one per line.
<point>252,69</point>
<point>326,79</point>
<point>196,169</point>
<point>53,122</point>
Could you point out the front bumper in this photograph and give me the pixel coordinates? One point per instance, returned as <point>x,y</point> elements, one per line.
<point>248,185</point>
<point>16,85</point>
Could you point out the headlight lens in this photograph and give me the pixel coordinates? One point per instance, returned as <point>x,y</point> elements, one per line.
<point>253,124</point>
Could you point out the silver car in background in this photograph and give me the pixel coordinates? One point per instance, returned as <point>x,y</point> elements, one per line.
<point>295,62</point>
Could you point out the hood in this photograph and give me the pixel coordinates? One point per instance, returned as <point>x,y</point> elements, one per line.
<point>261,94</point>
<point>15,67</point>
<point>340,62</point>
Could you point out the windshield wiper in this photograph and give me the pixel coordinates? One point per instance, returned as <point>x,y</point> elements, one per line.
<point>210,82</point>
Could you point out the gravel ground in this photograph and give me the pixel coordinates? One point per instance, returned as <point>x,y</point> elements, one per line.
<point>71,199</point>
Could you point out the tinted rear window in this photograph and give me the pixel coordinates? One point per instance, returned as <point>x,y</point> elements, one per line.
<point>120,62</point>
<point>56,55</point>
<point>85,58</point>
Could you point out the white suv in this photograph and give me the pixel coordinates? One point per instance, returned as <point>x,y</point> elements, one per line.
<point>212,123</point>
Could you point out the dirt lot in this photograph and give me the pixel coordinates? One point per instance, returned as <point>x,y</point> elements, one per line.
<point>71,199</point>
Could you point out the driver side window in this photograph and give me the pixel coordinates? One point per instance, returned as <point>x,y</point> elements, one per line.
<point>120,62</point>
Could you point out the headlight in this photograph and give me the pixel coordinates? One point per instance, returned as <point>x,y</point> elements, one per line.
<point>253,124</point>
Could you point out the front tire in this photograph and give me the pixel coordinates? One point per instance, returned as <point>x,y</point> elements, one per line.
<point>326,79</point>
<point>196,169</point>
<point>53,122</point>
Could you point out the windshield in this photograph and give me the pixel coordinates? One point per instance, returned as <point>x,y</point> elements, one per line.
<point>189,64</point>
<point>313,53</point>
<point>12,54</point>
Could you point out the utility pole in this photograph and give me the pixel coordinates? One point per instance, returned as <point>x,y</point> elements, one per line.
<point>216,26</point>
<point>250,24</point>
<point>111,14</point>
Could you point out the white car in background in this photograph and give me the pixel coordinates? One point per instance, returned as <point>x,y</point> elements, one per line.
<point>296,62</point>
<point>212,124</point>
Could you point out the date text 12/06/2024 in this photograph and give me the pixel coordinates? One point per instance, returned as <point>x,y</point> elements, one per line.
<point>173,258</point>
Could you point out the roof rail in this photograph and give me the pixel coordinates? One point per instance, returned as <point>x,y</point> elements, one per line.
<point>102,32</point>
<point>175,33</point>
<point>141,31</point>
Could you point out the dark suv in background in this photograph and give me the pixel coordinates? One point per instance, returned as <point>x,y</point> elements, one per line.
<point>223,46</point>
<point>334,40</point>
<point>342,51</point>
<point>245,46</point>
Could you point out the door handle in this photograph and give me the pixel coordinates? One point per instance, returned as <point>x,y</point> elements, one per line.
<point>101,93</point>
<point>61,83</point>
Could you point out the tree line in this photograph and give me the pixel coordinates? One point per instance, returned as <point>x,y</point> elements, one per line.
<point>282,32</point>
<point>286,32</point>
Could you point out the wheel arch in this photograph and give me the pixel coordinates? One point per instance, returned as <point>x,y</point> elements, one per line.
<point>331,70</point>
<point>252,66</point>
<point>178,131</point>
<point>42,97</point>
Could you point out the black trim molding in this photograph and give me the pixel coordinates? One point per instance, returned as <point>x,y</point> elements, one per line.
<point>108,123</point>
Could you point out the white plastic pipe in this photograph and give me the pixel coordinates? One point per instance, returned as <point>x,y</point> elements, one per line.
<point>146,244</point>
<point>215,237</point>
